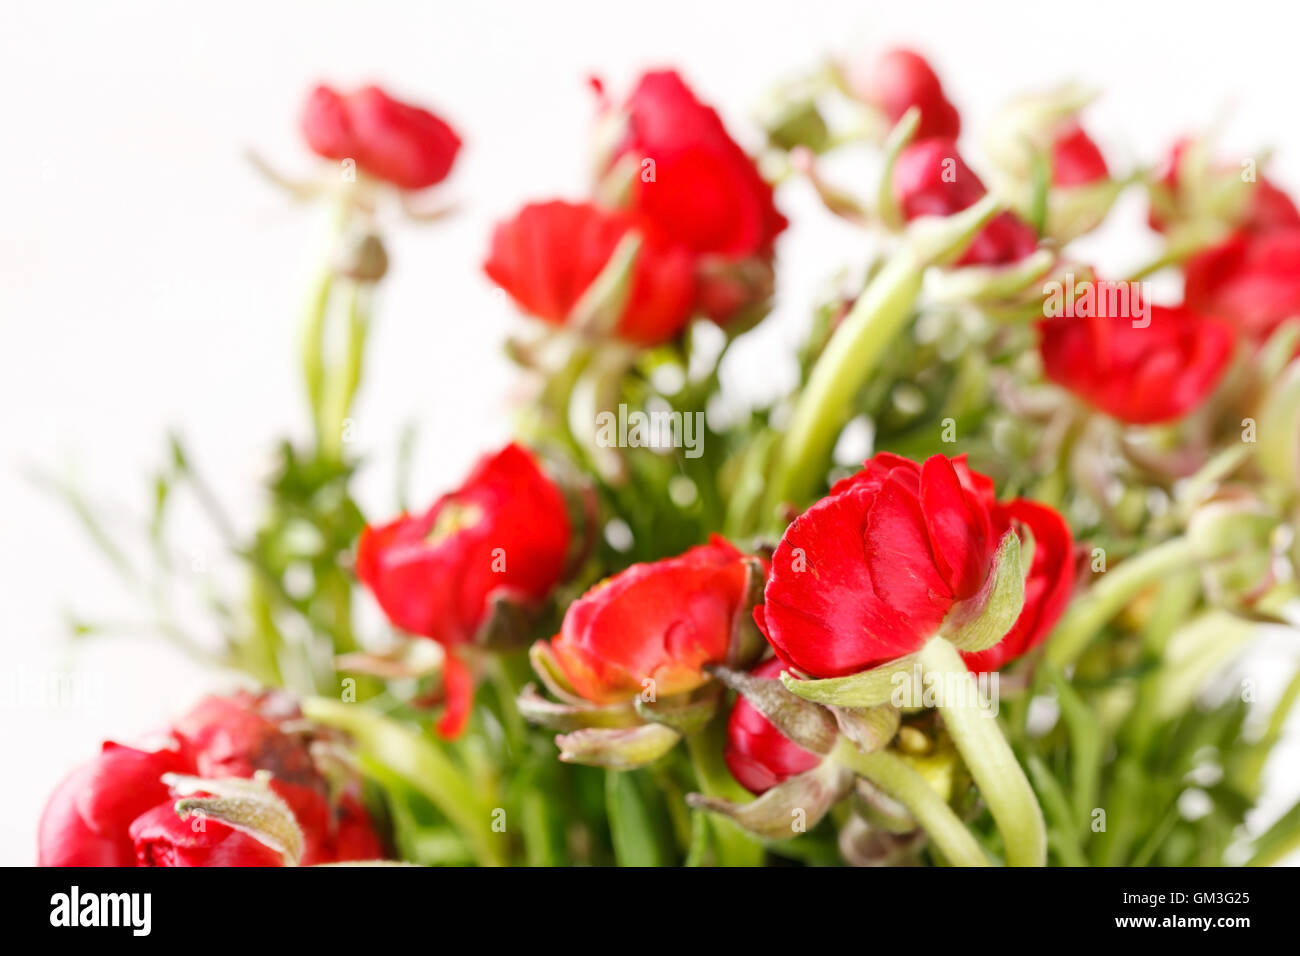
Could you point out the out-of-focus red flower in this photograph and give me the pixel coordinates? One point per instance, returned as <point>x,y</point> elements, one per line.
<point>901,79</point>
<point>549,254</point>
<point>931,179</point>
<point>503,535</point>
<point>659,622</point>
<point>692,179</point>
<point>1266,208</point>
<point>758,755</point>
<point>1076,159</point>
<point>390,140</point>
<point>1251,279</point>
<point>1138,374</point>
<point>868,574</point>
<point>116,810</point>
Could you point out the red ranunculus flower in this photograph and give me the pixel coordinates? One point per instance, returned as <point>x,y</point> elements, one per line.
<point>390,140</point>
<point>901,79</point>
<point>699,187</point>
<point>1076,160</point>
<point>758,755</point>
<point>1267,207</point>
<point>116,810</point>
<point>549,254</point>
<point>661,621</point>
<point>1138,374</point>
<point>502,535</point>
<point>1253,280</point>
<point>931,179</point>
<point>868,574</point>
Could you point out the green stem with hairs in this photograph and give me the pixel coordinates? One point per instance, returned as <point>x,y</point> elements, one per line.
<point>886,770</point>
<point>988,756</point>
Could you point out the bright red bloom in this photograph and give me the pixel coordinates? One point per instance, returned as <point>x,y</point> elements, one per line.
<point>692,179</point>
<point>758,755</point>
<point>1253,280</point>
<point>1076,160</point>
<point>931,179</point>
<point>390,140</point>
<point>661,621</point>
<point>1267,207</point>
<point>868,574</point>
<point>901,79</point>
<point>116,811</point>
<point>1138,374</point>
<point>549,254</point>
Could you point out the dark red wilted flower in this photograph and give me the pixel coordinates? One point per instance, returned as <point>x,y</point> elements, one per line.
<point>661,621</point>
<point>692,179</point>
<point>1251,279</point>
<point>1140,374</point>
<point>390,140</point>
<point>901,79</point>
<point>868,574</point>
<point>1076,159</point>
<point>549,254</point>
<point>117,811</point>
<point>503,535</point>
<point>931,179</point>
<point>758,755</point>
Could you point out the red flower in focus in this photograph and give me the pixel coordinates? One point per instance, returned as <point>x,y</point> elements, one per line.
<point>390,140</point>
<point>549,254</point>
<point>502,535</point>
<point>116,810</point>
<point>931,179</point>
<point>661,621</point>
<point>1076,160</point>
<point>693,181</point>
<point>901,79</point>
<point>868,574</point>
<point>1138,374</point>
<point>1253,280</point>
<point>1267,207</point>
<point>758,755</point>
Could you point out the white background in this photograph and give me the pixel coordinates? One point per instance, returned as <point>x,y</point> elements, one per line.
<point>149,280</point>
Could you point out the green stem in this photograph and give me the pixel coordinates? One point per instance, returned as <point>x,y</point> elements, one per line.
<point>344,380</point>
<point>890,773</point>
<point>735,846</point>
<point>313,349</point>
<point>1117,588</point>
<point>989,758</point>
<point>422,764</point>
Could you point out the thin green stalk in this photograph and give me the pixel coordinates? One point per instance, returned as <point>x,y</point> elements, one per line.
<point>344,380</point>
<point>890,773</point>
<point>734,845</point>
<point>989,757</point>
<point>1089,614</point>
<point>421,763</point>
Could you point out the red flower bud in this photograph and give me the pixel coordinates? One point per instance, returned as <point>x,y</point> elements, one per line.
<point>1253,280</point>
<point>117,811</point>
<point>390,140</point>
<point>1140,374</point>
<point>504,532</point>
<point>901,79</point>
<point>931,179</point>
<point>1076,160</point>
<point>549,254</point>
<point>868,574</point>
<point>758,755</point>
<point>692,179</point>
<point>1267,207</point>
<point>659,622</point>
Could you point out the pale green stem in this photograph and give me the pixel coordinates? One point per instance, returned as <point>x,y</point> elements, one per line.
<point>988,756</point>
<point>313,349</point>
<point>345,379</point>
<point>422,764</point>
<point>1087,615</point>
<point>886,770</point>
<point>735,846</point>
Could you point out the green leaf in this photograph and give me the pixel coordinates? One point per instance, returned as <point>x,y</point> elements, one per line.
<point>631,822</point>
<point>868,689</point>
<point>981,621</point>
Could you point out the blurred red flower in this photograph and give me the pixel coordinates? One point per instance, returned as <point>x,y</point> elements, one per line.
<point>758,755</point>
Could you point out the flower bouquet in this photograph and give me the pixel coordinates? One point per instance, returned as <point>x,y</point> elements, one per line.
<point>973,590</point>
